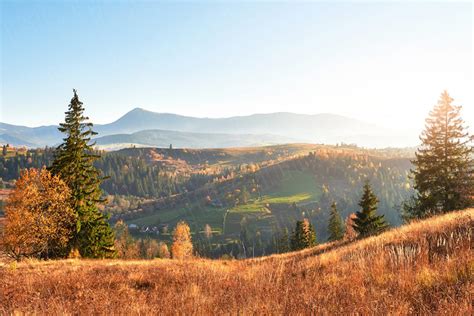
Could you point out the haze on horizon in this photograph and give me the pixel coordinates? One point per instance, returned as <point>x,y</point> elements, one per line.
<point>383,63</point>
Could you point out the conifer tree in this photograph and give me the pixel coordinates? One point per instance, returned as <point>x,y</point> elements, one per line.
<point>367,222</point>
<point>335,227</point>
<point>74,164</point>
<point>283,242</point>
<point>444,165</point>
<point>303,235</point>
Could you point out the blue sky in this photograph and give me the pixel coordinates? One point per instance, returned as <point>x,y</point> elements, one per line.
<point>385,63</point>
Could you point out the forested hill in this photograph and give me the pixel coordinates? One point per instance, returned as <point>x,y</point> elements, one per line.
<point>271,198</point>
<point>250,193</point>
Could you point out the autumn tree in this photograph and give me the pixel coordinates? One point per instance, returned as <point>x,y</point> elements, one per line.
<point>39,218</point>
<point>148,248</point>
<point>444,164</point>
<point>163,251</point>
<point>182,246</point>
<point>74,164</point>
<point>303,236</point>
<point>367,222</point>
<point>125,245</point>
<point>350,233</point>
<point>207,231</point>
<point>335,226</point>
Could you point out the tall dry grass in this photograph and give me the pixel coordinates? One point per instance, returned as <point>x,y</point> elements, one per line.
<point>423,268</point>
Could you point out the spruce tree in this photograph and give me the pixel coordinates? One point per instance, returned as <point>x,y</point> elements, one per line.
<point>282,241</point>
<point>336,226</point>
<point>367,222</point>
<point>73,162</point>
<point>444,165</point>
<point>303,236</point>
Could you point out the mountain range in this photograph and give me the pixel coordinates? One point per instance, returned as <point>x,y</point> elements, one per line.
<point>140,127</point>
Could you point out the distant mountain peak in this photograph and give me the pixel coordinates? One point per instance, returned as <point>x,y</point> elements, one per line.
<point>316,128</point>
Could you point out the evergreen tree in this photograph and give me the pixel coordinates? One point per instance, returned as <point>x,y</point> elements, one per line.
<point>366,221</point>
<point>336,226</point>
<point>444,165</point>
<point>303,235</point>
<point>283,242</point>
<point>74,164</point>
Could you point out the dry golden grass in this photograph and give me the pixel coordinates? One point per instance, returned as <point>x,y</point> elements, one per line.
<point>422,268</point>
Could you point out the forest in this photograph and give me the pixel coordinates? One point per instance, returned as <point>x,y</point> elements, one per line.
<point>248,198</point>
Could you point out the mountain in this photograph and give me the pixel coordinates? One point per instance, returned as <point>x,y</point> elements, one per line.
<point>163,138</point>
<point>29,136</point>
<point>319,128</point>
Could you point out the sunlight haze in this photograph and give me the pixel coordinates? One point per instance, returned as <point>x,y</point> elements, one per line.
<point>384,63</point>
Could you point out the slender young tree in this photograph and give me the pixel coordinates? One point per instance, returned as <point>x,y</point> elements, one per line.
<point>366,221</point>
<point>182,247</point>
<point>444,165</point>
<point>303,236</point>
<point>335,226</point>
<point>74,164</point>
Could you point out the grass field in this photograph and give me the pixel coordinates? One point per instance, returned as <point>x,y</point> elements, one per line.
<point>294,187</point>
<point>424,268</point>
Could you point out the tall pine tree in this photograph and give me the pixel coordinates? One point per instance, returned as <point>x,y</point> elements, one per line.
<point>303,236</point>
<point>444,165</point>
<point>336,226</point>
<point>74,164</point>
<point>367,222</point>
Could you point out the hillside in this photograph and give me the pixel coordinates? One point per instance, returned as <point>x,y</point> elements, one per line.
<point>271,128</point>
<point>424,268</point>
<point>256,191</point>
<point>271,197</point>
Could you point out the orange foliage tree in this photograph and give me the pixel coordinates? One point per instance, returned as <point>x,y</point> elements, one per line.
<point>350,233</point>
<point>182,247</point>
<point>125,245</point>
<point>39,218</point>
<point>163,251</point>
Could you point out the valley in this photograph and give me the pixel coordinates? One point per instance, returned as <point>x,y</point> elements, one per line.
<point>248,196</point>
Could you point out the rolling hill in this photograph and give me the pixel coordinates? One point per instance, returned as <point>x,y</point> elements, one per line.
<point>284,184</point>
<point>276,127</point>
<point>261,191</point>
<point>425,268</point>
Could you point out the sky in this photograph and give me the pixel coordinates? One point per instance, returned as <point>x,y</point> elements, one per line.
<point>381,62</point>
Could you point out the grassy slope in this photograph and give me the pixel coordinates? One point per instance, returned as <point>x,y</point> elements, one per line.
<point>422,268</point>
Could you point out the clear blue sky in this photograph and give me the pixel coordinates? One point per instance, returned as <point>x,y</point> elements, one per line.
<point>385,63</point>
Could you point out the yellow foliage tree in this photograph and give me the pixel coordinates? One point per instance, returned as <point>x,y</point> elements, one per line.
<point>125,245</point>
<point>182,247</point>
<point>163,251</point>
<point>39,218</point>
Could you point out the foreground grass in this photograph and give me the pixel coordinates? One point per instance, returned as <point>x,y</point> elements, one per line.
<point>422,268</point>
